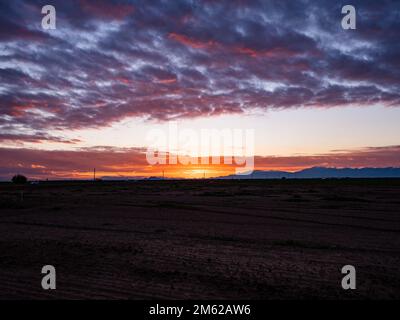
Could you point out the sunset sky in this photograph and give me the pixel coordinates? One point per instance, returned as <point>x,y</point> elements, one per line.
<point>86,94</point>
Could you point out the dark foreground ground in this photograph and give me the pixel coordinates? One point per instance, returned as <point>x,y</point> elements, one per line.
<point>201,239</point>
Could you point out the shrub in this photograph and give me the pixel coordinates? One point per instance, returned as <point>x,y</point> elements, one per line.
<point>19,179</point>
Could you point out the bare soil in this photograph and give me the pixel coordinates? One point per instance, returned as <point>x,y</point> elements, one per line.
<point>203,239</point>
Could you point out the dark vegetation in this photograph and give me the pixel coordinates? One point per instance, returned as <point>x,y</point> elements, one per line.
<point>19,179</point>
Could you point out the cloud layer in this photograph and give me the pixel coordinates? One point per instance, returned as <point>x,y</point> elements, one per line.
<point>160,60</point>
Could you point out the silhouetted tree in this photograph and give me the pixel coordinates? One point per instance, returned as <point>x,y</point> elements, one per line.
<point>19,179</point>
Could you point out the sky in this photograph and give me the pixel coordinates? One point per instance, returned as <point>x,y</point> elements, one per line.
<point>88,93</point>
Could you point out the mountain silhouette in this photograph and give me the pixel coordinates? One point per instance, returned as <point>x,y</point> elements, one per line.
<point>321,172</point>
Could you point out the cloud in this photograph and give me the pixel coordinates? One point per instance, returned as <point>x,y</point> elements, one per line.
<point>110,161</point>
<point>380,157</point>
<point>33,138</point>
<point>103,9</point>
<point>41,164</point>
<point>160,60</point>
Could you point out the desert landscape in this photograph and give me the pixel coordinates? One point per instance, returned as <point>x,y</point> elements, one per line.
<point>201,239</point>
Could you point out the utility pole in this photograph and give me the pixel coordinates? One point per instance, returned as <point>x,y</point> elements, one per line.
<point>94,174</point>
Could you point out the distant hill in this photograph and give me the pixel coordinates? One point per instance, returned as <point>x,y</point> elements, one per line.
<point>322,172</point>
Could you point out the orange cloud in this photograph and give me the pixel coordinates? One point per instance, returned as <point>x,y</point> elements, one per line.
<point>131,162</point>
<point>196,44</point>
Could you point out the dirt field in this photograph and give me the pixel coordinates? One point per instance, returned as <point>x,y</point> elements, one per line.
<point>201,239</point>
